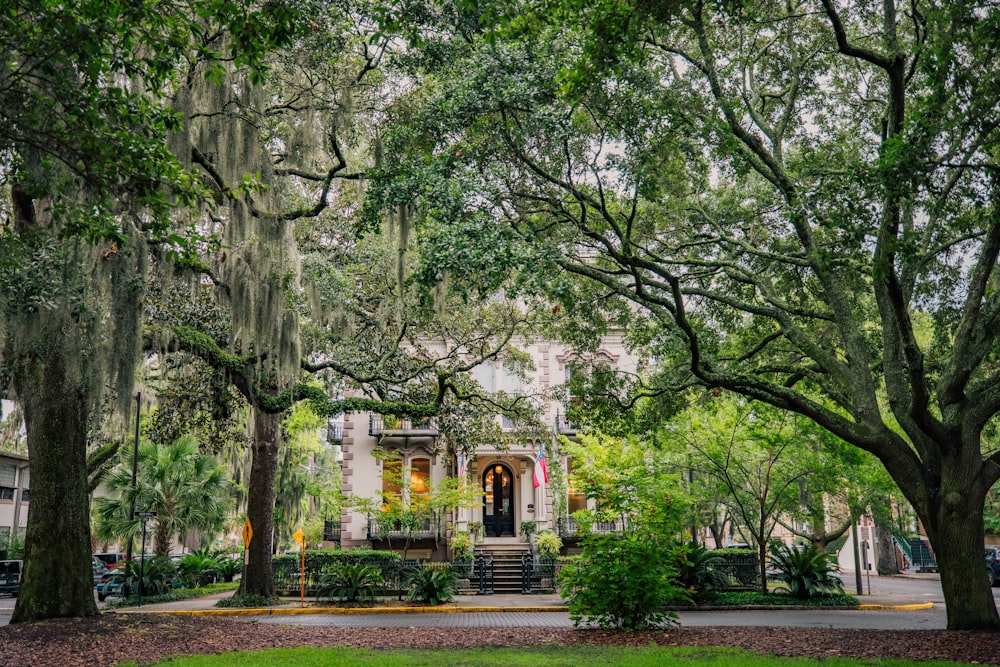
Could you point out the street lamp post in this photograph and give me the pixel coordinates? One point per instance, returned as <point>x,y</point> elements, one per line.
<point>144,517</point>
<point>135,472</point>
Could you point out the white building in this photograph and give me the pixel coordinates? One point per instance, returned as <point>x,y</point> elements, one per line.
<point>504,473</point>
<point>15,482</point>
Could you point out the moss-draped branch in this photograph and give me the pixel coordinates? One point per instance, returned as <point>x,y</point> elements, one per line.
<point>240,373</point>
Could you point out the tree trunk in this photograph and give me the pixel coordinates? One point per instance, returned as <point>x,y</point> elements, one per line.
<point>258,577</point>
<point>956,535</point>
<point>58,576</point>
<point>887,562</point>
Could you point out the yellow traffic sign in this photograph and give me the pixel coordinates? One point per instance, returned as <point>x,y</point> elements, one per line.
<point>300,537</point>
<point>247,533</point>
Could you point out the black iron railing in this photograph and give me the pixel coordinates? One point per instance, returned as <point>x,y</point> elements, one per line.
<point>383,425</point>
<point>563,424</point>
<point>395,529</point>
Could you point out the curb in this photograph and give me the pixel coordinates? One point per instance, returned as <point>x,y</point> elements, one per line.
<point>338,611</point>
<point>920,606</point>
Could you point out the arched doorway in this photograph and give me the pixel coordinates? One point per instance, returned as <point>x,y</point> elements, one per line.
<point>498,501</point>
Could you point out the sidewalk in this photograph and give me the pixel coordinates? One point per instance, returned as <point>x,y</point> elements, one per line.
<point>890,599</point>
<point>293,606</point>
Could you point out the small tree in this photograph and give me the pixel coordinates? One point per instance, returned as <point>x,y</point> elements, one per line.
<point>186,487</point>
<point>621,581</point>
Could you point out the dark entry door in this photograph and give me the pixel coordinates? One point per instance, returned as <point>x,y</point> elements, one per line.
<point>498,501</point>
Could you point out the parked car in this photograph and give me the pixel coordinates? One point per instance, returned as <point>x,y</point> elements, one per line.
<point>10,576</point>
<point>993,563</point>
<point>111,582</point>
<point>110,559</point>
<point>100,568</point>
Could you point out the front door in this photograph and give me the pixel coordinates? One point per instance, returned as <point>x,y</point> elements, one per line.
<point>498,501</point>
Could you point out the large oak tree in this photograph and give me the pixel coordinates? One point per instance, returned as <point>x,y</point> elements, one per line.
<point>789,193</point>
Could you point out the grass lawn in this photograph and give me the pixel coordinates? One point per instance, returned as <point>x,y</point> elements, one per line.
<point>554,656</point>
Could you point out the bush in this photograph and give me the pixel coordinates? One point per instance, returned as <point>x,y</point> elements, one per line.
<point>248,601</point>
<point>433,585</point>
<point>806,571</point>
<point>621,581</point>
<point>197,569</point>
<point>286,567</point>
<point>549,544</point>
<point>228,568</point>
<point>699,569</point>
<point>350,582</point>
<point>157,575</point>
<point>461,546</point>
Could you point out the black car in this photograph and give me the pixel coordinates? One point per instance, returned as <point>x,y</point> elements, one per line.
<point>993,564</point>
<point>10,576</point>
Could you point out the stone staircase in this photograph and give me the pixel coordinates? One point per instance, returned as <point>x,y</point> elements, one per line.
<point>922,558</point>
<point>503,570</point>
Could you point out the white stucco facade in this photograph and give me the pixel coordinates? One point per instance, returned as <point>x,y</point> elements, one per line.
<point>504,473</point>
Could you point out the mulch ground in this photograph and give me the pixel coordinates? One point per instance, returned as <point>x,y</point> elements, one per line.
<point>113,639</point>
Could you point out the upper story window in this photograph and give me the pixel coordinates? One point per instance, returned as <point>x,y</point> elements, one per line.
<point>420,477</point>
<point>6,493</point>
<point>392,480</point>
<point>576,498</point>
<point>8,472</point>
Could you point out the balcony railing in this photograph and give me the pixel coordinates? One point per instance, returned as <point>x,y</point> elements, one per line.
<point>564,426</point>
<point>429,528</point>
<point>394,426</point>
<point>334,432</point>
<point>331,531</point>
<point>567,527</point>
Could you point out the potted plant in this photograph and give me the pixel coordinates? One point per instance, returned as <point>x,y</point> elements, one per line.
<point>476,531</point>
<point>528,530</point>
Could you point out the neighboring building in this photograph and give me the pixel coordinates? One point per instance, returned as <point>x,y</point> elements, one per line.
<point>503,473</point>
<point>15,482</point>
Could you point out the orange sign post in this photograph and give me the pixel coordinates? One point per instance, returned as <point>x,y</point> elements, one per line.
<point>300,537</point>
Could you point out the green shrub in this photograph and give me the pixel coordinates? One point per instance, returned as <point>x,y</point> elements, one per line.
<point>461,546</point>
<point>806,571</point>
<point>549,544</point>
<point>621,581</point>
<point>197,569</point>
<point>248,601</point>
<point>698,568</point>
<point>228,568</point>
<point>433,585</point>
<point>350,582</point>
<point>287,576</point>
<point>157,575</point>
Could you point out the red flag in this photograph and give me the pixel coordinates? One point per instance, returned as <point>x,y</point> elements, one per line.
<point>541,475</point>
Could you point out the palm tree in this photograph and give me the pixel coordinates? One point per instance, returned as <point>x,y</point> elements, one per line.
<point>187,488</point>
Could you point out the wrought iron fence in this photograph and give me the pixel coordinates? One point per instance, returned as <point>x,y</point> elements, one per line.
<point>743,570</point>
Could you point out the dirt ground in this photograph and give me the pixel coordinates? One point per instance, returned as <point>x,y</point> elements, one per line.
<point>110,640</point>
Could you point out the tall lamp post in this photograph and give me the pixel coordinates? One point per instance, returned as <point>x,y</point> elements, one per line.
<point>144,517</point>
<point>135,472</point>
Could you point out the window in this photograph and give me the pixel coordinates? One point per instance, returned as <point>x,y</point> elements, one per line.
<point>420,477</point>
<point>483,374</point>
<point>576,498</point>
<point>392,477</point>
<point>8,471</point>
<point>6,493</point>
<point>25,494</point>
